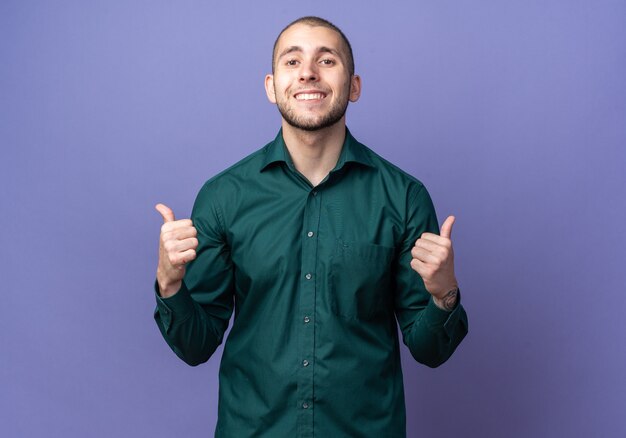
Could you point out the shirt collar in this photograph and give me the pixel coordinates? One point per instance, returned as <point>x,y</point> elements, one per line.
<point>351,151</point>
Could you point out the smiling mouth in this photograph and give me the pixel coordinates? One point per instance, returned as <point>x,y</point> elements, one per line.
<point>309,96</point>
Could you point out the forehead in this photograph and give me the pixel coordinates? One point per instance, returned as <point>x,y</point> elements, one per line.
<point>309,38</point>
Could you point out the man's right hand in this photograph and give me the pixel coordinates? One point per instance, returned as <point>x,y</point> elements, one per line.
<point>177,246</point>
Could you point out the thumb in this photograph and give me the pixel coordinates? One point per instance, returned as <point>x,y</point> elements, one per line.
<point>166,212</point>
<point>446,227</point>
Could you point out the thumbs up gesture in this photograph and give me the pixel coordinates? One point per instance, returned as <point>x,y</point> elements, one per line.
<point>433,260</point>
<point>177,246</point>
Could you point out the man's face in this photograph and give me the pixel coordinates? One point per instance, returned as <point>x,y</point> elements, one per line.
<point>311,84</point>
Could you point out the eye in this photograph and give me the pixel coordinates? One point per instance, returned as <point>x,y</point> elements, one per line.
<point>291,62</point>
<point>327,61</point>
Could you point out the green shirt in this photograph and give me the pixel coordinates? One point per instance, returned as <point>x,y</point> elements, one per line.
<point>317,277</point>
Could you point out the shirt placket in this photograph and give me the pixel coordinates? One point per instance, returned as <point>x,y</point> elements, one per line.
<point>306,313</point>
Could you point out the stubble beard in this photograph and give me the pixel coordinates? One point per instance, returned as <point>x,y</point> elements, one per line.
<point>310,124</point>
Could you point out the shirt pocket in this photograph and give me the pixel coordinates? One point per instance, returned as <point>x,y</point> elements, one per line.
<point>359,279</point>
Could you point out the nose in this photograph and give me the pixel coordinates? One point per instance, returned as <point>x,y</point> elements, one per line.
<point>308,72</point>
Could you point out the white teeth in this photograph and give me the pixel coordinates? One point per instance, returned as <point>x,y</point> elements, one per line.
<point>307,96</point>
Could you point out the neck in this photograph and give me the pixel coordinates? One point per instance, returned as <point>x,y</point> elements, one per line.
<point>315,153</point>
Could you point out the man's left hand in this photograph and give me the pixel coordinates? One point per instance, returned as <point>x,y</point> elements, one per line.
<point>433,260</point>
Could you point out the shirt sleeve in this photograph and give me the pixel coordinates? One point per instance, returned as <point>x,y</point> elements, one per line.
<point>193,321</point>
<point>430,333</point>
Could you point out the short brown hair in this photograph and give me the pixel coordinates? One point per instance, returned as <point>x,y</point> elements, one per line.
<point>317,21</point>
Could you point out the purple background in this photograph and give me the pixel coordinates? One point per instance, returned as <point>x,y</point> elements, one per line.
<point>512,113</point>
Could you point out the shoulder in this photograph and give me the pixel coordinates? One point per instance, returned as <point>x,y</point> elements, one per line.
<point>219,193</point>
<point>408,198</point>
<point>392,176</point>
<point>232,179</point>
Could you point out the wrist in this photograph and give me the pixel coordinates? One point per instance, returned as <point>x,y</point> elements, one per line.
<point>167,288</point>
<point>448,300</point>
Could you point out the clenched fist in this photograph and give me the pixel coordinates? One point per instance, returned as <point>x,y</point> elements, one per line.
<point>433,260</point>
<point>177,246</point>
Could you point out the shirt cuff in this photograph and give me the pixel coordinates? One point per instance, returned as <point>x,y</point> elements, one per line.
<point>174,309</point>
<point>436,318</point>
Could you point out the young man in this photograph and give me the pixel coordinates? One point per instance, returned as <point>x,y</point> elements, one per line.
<point>319,245</point>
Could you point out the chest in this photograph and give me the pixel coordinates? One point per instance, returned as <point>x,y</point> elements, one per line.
<point>283,234</point>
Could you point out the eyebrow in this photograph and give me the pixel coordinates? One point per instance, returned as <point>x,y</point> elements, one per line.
<point>322,49</point>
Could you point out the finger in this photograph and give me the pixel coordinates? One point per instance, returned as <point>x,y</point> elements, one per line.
<point>442,241</point>
<point>187,256</point>
<point>176,231</point>
<point>178,246</point>
<point>446,227</point>
<point>166,213</point>
<point>179,259</point>
<point>425,256</point>
<point>420,267</point>
<point>176,225</point>
<point>428,244</point>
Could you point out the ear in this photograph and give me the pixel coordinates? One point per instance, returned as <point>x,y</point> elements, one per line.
<point>355,88</point>
<point>269,88</point>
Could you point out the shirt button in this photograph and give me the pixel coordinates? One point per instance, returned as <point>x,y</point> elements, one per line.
<point>306,319</point>
<point>305,405</point>
<point>314,192</point>
<point>310,234</point>
<point>305,363</point>
<point>308,276</point>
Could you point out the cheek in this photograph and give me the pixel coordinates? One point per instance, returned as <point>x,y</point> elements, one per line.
<point>281,89</point>
<point>342,85</point>
<point>282,82</point>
